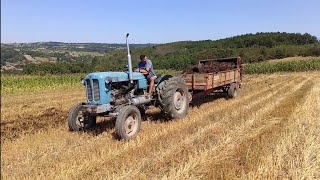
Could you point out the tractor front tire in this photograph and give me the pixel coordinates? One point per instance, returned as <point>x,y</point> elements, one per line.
<point>174,97</point>
<point>78,121</point>
<point>128,122</point>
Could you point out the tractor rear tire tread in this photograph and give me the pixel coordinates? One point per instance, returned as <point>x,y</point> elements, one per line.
<point>166,91</point>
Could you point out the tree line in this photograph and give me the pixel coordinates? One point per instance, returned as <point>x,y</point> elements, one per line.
<point>251,48</point>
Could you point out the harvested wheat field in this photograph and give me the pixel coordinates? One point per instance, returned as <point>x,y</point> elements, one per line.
<point>271,131</point>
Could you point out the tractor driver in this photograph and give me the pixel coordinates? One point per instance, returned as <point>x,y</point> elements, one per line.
<point>145,67</point>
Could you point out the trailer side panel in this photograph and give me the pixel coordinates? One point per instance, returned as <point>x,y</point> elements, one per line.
<point>205,83</point>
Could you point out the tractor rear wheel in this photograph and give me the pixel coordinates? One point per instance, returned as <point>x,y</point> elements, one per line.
<point>174,97</point>
<point>78,121</point>
<point>128,122</point>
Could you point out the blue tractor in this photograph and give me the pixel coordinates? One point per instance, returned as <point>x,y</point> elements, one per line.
<point>124,95</point>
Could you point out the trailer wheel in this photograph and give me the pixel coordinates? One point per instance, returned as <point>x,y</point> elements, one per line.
<point>78,121</point>
<point>174,97</point>
<point>128,122</point>
<point>233,90</point>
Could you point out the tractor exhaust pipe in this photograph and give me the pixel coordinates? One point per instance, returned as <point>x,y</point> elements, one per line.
<point>129,60</point>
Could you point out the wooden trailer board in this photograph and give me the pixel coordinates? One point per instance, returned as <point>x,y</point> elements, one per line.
<point>200,83</point>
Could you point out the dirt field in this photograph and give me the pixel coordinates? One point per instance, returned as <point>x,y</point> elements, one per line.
<point>272,131</point>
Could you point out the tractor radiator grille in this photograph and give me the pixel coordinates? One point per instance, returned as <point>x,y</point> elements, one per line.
<point>89,90</point>
<point>96,91</point>
<point>95,95</point>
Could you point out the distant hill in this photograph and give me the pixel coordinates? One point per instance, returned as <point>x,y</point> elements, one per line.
<point>60,46</point>
<point>251,47</point>
<point>88,57</point>
<point>21,54</point>
<point>265,40</point>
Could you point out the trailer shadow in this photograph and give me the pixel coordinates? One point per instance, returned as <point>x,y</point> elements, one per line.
<point>209,98</point>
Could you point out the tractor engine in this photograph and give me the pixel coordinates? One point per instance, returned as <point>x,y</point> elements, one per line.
<point>119,94</point>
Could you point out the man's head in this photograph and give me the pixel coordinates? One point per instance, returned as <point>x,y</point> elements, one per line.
<point>143,57</point>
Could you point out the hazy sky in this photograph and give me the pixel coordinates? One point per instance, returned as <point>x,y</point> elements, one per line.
<point>151,21</point>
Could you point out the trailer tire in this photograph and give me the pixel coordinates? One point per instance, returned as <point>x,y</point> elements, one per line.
<point>174,97</point>
<point>128,122</point>
<point>78,121</point>
<point>233,90</point>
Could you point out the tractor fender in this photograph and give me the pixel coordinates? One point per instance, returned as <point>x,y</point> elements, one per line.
<point>162,78</point>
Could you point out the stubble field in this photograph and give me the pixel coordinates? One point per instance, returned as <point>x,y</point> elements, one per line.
<point>272,130</point>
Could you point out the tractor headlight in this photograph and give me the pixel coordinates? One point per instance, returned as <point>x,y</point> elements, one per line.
<point>82,81</point>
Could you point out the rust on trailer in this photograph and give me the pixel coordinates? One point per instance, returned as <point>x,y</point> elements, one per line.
<point>201,84</point>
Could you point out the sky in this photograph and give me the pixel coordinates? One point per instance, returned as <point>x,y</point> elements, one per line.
<point>152,21</point>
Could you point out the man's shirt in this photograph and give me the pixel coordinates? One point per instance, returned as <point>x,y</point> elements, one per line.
<point>145,65</point>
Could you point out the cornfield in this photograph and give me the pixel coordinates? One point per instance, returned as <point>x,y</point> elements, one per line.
<point>288,66</point>
<point>20,83</point>
<point>17,83</point>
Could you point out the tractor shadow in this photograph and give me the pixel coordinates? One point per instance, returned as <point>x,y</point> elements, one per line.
<point>158,116</point>
<point>105,124</point>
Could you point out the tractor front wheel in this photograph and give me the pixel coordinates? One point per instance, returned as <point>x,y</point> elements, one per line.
<point>128,122</point>
<point>78,121</point>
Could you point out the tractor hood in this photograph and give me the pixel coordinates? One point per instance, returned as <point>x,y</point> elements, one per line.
<point>114,76</point>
